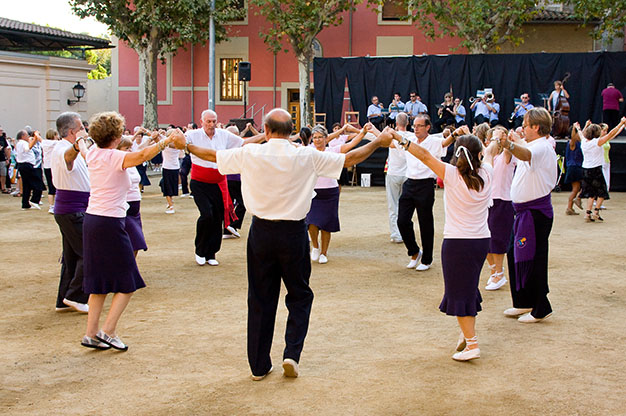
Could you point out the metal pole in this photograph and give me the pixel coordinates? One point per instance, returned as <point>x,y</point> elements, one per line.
<point>212,58</point>
<point>192,83</point>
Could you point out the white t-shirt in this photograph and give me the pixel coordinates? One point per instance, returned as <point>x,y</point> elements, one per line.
<point>48,146</point>
<point>396,161</point>
<point>76,179</point>
<point>593,155</point>
<point>134,193</point>
<point>222,139</point>
<point>110,182</point>
<point>535,179</point>
<point>324,182</point>
<point>466,210</point>
<point>170,158</point>
<point>415,169</point>
<point>23,153</point>
<point>502,177</point>
<point>277,178</point>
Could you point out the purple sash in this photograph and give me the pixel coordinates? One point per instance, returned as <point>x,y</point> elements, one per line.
<point>525,244</point>
<point>70,202</point>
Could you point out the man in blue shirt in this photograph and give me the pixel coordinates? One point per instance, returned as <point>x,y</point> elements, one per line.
<point>520,110</point>
<point>375,113</point>
<point>459,113</point>
<point>395,108</point>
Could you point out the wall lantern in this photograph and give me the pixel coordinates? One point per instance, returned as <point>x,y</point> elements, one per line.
<point>79,92</point>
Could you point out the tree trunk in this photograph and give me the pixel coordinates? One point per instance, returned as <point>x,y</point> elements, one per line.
<point>305,89</point>
<point>148,59</point>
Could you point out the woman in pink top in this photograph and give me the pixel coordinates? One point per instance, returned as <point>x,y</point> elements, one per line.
<point>109,263</point>
<point>467,194</point>
<point>324,212</point>
<point>501,213</point>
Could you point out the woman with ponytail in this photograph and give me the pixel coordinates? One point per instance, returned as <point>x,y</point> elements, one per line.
<point>467,194</point>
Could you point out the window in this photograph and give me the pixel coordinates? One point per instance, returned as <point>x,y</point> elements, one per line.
<point>240,5</point>
<point>231,89</point>
<point>394,10</point>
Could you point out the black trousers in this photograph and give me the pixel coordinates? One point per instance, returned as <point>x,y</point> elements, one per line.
<point>417,194</point>
<point>71,283</point>
<point>277,249</point>
<point>234,189</point>
<point>183,172</point>
<point>32,182</point>
<point>480,119</point>
<point>610,117</point>
<point>535,294</point>
<point>378,121</point>
<point>208,199</point>
<point>517,122</point>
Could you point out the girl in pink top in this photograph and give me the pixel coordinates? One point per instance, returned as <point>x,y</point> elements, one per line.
<point>324,213</point>
<point>501,213</point>
<point>108,259</point>
<point>467,194</point>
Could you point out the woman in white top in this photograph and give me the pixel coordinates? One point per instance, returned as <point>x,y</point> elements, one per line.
<point>555,96</point>
<point>169,181</point>
<point>47,145</point>
<point>467,195</point>
<point>594,183</point>
<point>133,224</point>
<point>324,213</point>
<point>109,263</point>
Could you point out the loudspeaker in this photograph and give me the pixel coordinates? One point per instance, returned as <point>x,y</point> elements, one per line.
<point>244,71</point>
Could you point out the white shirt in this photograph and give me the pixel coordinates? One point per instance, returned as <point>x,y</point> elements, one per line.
<point>396,161</point>
<point>76,179</point>
<point>222,139</point>
<point>23,153</point>
<point>415,169</point>
<point>593,155</point>
<point>277,178</point>
<point>170,158</point>
<point>47,146</point>
<point>134,193</point>
<point>535,179</point>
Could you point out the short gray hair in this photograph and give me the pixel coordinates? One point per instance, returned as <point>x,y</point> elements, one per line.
<point>65,122</point>
<point>320,129</point>
<point>402,119</point>
<point>205,112</point>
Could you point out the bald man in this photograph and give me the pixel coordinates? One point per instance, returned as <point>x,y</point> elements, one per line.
<point>277,181</point>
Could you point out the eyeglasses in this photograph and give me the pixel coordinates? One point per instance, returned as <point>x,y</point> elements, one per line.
<point>420,125</point>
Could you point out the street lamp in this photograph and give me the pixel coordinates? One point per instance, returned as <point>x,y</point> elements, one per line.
<point>79,92</point>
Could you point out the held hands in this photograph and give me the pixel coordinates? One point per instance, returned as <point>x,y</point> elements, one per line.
<point>178,138</point>
<point>37,136</point>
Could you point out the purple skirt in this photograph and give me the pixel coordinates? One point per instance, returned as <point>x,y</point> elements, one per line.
<point>133,226</point>
<point>109,264</point>
<point>324,211</point>
<point>462,261</point>
<point>501,217</point>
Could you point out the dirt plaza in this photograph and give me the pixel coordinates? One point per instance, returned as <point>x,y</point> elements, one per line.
<point>377,343</point>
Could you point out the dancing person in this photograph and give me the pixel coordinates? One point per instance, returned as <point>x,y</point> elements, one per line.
<point>611,99</point>
<point>467,195</point>
<point>29,165</point>
<point>277,183</point>
<point>170,174</point>
<point>481,131</point>
<point>5,161</point>
<point>323,216</point>
<point>418,194</point>
<point>594,184</point>
<point>47,146</point>
<point>501,213</point>
<point>210,188</point>
<point>395,177</point>
<point>606,165</point>
<point>109,261</point>
<point>71,180</point>
<point>517,116</point>
<point>534,179</point>
<point>574,169</point>
<point>140,141</point>
<point>132,224</point>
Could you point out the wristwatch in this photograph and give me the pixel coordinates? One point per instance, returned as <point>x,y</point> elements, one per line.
<point>511,146</point>
<point>404,143</point>
<point>186,148</point>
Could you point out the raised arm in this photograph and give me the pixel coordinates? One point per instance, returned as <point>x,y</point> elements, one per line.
<point>613,133</point>
<point>345,148</point>
<point>180,142</point>
<point>433,163</point>
<point>513,144</point>
<point>137,158</point>
<point>257,138</point>
<point>358,155</point>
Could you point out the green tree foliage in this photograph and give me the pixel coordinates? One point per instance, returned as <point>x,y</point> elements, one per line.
<point>101,58</point>
<point>298,22</point>
<point>610,13</point>
<point>481,25</point>
<point>156,27</point>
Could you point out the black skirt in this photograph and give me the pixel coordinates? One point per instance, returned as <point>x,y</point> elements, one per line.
<point>594,184</point>
<point>169,182</point>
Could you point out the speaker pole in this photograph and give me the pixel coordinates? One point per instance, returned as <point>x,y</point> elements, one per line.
<point>245,100</point>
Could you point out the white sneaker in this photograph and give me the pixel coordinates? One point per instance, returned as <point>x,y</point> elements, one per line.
<point>529,319</point>
<point>34,205</point>
<point>170,210</point>
<point>213,262</point>
<point>200,260</point>
<point>227,236</point>
<point>517,311</point>
<point>396,240</point>
<point>290,368</point>
<point>78,307</point>
<point>422,267</point>
<point>415,262</point>
<point>51,209</point>
<point>233,232</point>
<point>323,259</point>
<point>185,195</point>
<point>467,355</point>
<point>259,378</point>
<point>315,254</point>
<point>491,285</point>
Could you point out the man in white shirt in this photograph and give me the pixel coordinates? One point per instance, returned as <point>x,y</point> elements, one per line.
<point>395,177</point>
<point>277,181</point>
<point>418,193</point>
<point>29,166</point>
<point>535,177</point>
<point>71,178</point>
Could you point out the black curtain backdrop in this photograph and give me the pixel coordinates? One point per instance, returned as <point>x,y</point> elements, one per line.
<point>432,76</point>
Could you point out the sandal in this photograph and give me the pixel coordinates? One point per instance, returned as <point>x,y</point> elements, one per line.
<point>492,267</point>
<point>597,216</point>
<point>468,354</point>
<point>588,217</point>
<point>497,285</point>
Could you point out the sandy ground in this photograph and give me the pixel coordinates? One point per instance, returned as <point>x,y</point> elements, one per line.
<point>377,343</point>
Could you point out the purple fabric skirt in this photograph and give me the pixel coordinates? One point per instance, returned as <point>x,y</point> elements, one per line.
<point>109,264</point>
<point>501,217</point>
<point>133,226</point>
<point>462,261</point>
<point>324,212</point>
